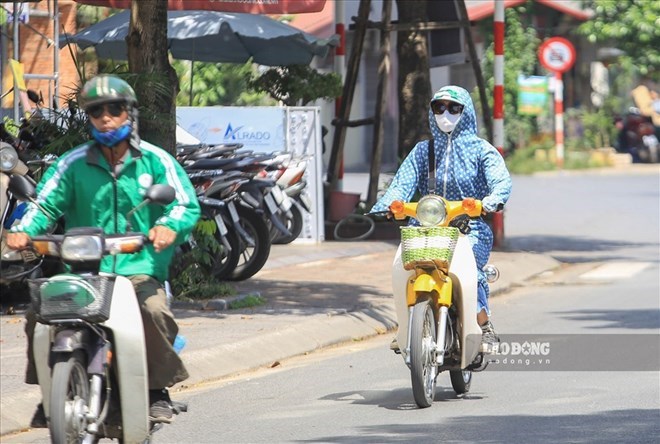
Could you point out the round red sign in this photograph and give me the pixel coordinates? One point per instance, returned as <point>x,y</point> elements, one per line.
<point>557,54</point>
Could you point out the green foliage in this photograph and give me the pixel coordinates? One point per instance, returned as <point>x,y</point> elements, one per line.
<point>251,300</point>
<point>217,84</point>
<point>525,160</point>
<point>297,84</point>
<point>520,54</point>
<point>630,25</point>
<point>190,271</point>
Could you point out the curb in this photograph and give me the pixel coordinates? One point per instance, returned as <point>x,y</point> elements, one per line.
<point>318,332</point>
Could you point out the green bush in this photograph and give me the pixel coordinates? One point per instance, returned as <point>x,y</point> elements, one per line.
<point>191,271</point>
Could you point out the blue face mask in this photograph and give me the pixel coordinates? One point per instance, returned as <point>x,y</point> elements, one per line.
<point>113,137</point>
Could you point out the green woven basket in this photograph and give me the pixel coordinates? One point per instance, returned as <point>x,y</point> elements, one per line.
<point>427,245</point>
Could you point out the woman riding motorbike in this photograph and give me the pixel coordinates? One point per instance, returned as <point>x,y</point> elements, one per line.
<point>466,166</point>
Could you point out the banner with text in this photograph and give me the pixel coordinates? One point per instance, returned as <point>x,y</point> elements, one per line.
<point>532,95</point>
<point>258,128</point>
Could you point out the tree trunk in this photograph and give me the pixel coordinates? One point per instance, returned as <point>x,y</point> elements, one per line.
<point>414,80</point>
<point>157,84</point>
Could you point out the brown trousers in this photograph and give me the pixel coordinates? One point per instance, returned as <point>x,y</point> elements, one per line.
<point>164,366</point>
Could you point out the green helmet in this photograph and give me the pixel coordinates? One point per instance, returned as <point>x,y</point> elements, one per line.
<point>106,89</point>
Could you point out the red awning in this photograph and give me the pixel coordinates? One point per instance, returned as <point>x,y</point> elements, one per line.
<point>480,9</point>
<point>249,6</point>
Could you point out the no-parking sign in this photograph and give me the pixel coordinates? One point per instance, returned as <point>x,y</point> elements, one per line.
<point>557,54</point>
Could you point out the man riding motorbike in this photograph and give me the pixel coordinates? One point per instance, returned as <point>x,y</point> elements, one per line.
<point>97,184</point>
<point>466,167</point>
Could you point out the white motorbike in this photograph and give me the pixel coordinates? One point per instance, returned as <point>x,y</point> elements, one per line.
<point>89,345</point>
<point>434,279</point>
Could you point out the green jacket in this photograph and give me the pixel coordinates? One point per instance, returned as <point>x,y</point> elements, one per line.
<point>82,187</point>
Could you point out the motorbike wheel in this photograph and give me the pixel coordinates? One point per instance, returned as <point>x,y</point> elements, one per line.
<point>224,262</point>
<point>460,380</point>
<point>253,258</point>
<point>68,398</point>
<point>423,370</point>
<point>294,225</point>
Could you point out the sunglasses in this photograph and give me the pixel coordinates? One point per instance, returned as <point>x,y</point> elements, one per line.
<point>441,107</point>
<point>114,109</point>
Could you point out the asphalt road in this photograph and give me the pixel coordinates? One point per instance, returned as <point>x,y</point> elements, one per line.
<point>605,227</point>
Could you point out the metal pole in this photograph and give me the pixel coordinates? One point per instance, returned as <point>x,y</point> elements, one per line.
<point>340,68</point>
<point>498,73</point>
<point>497,221</point>
<point>559,119</point>
<point>16,43</point>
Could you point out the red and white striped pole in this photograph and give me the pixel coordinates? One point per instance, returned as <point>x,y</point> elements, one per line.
<point>498,107</point>
<point>498,74</point>
<point>340,68</point>
<point>559,119</point>
<point>558,55</point>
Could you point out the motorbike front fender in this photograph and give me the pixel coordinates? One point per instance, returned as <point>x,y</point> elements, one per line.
<point>463,273</point>
<point>131,360</point>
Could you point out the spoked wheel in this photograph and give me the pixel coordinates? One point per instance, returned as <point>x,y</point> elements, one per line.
<point>423,369</point>
<point>68,399</point>
<point>460,380</point>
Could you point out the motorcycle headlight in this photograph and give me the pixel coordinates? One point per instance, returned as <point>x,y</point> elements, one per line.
<point>431,211</point>
<point>8,157</point>
<point>82,248</point>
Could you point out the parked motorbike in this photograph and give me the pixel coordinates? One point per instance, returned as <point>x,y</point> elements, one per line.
<point>637,136</point>
<point>14,265</point>
<point>435,271</point>
<point>222,194</point>
<point>290,178</point>
<point>89,342</point>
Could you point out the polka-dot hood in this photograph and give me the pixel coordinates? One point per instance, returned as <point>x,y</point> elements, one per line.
<point>466,165</point>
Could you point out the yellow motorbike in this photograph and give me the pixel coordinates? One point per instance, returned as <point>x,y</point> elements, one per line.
<point>436,273</point>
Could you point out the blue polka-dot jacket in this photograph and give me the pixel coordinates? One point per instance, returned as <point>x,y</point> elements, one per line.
<point>466,166</point>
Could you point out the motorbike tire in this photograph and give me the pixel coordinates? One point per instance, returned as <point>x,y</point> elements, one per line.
<point>68,398</point>
<point>423,370</point>
<point>225,261</point>
<point>294,225</point>
<point>252,258</point>
<point>460,380</point>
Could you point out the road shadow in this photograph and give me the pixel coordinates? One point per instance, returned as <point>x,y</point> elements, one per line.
<point>397,399</point>
<point>630,319</point>
<point>556,245</point>
<point>618,426</point>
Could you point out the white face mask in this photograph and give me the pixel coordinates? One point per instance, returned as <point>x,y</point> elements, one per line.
<point>446,121</point>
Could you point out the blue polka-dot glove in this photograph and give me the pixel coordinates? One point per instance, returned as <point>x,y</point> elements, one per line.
<point>490,204</point>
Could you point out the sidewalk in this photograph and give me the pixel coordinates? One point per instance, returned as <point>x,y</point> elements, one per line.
<point>316,295</point>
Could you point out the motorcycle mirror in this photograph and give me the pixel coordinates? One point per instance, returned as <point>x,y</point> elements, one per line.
<point>161,194</point>
<point>21,187</point>
<point>34,96</point>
